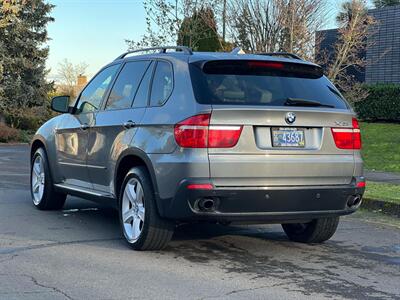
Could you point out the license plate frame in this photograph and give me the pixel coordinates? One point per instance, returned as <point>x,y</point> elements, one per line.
<point>288,137</point>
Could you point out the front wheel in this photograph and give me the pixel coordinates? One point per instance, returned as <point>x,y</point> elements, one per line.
<point>141,225</point>
<point>44,196</point>
<point>316,231</point>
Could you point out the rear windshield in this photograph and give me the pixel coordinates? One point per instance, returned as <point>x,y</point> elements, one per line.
<point>244,82</point>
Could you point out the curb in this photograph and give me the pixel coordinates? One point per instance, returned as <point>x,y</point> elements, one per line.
<point>14,144</point>
<point>388,208</point>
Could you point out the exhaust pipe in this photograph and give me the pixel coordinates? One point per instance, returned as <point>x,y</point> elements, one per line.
<point>357,200</point>
<point>206,204</point>
<point>354,201</point>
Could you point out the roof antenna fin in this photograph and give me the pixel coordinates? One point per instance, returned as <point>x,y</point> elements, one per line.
<point>237,51</point>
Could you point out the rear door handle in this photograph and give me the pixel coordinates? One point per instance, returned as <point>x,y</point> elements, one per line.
<point>85,126</point>
<point>129,124</point>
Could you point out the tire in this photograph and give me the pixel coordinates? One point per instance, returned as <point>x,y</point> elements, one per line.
<point>317,231</point>
<point>140,223</point>
<point>44,196</point>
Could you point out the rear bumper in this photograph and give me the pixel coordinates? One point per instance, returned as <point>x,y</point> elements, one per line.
<point>261,204</point>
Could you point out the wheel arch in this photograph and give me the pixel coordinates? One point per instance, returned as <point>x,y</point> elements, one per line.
<point>37,142</point>
<point>131,158</point>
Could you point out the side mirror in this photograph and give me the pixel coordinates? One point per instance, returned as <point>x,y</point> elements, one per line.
<point>60,104</point>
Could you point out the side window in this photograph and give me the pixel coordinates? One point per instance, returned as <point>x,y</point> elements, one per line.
<point>142,94</point>
<point>162,84</point>
<point>92,95</point>
<point>126,85</point>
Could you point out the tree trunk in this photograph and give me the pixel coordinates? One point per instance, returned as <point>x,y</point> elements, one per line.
<point>2,119</point>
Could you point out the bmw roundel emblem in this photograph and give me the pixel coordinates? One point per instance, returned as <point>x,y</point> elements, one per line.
<point>290,117</point>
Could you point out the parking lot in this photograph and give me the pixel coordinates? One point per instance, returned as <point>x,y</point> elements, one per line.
<point>78,253</point>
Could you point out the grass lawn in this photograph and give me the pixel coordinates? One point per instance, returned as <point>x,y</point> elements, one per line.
<point>383,191</point>
<point>381,146</point>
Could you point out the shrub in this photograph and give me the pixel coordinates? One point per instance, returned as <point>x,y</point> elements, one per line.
<point>381,104</point>
<point>33,118</point>
<point>30,118</point>
<point>8,134</point>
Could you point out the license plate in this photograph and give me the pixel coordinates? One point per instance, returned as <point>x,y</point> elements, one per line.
<point>288,137</point>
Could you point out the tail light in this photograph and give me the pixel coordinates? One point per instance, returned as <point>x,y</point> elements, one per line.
<point>196,132</point>
<point>348,138</point>
<point>193,132</point>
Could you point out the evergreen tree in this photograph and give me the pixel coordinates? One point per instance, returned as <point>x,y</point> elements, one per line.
<point>200,31</point>
<point>23,55</point>
<point>8,13</point>
<point>384,3</point>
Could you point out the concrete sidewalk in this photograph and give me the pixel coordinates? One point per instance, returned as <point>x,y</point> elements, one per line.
<point>385,177</point>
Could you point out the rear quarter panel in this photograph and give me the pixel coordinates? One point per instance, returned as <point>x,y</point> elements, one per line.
<point>155,136</point>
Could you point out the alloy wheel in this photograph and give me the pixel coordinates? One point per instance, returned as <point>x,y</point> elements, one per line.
<point>133,211</point>
<point>37,180</point>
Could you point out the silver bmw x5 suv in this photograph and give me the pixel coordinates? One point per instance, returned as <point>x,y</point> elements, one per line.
<point>176,136</point>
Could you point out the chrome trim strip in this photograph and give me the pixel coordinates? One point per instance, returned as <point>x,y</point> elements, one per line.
<point>224,127</point>
<point>71,164</point>
<point>81,165</point>
<point>77,189</point>
<point>96,167</point>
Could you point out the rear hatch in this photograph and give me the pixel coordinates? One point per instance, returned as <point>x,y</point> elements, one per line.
<point>287,112</point>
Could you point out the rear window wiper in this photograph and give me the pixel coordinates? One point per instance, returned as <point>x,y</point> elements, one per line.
<point>305,102</point>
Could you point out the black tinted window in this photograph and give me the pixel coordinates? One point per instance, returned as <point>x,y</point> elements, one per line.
<point>126,85</point>
<point>162,84</point>
<point>254,84</point>
<point>92,95</point>
<point>142,94</point>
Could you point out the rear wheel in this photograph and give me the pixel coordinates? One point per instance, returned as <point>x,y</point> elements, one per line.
<point>141,225</point>
<point>44,196</point>
<point>316,231</point>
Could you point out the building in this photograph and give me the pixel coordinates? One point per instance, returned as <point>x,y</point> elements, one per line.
<point>327,40</point>
<point>73,91</point>
<point>383,52</point>
<point>80,83</point>
<point>383,55</point>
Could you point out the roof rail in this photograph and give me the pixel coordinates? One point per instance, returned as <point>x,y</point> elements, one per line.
<point>163,49</point>
<point>283,54</point>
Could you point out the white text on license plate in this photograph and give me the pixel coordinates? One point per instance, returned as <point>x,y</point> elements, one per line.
<point>287,137</point>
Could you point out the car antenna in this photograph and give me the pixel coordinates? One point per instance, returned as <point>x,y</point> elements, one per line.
<point>237,51</point>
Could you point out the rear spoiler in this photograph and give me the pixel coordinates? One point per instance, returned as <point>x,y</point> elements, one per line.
<point>261,68</point>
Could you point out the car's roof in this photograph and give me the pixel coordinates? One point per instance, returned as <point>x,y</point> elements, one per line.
<point>206,56</point>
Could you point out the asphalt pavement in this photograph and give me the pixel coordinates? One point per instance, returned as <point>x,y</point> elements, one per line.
<point>384,177</point>
<point>78,253</point>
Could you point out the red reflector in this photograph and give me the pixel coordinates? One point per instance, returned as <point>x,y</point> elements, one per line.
<point>203,186</point>
<point>195,132</point>
<point>265,64</point>
<point>361,184</point>
<point>348,138</point>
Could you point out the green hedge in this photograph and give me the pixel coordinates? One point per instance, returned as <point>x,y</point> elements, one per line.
<point>382,103</point>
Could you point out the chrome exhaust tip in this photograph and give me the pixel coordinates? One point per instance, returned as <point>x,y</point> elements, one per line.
<point>354,201</point>
<point>206,204</point>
